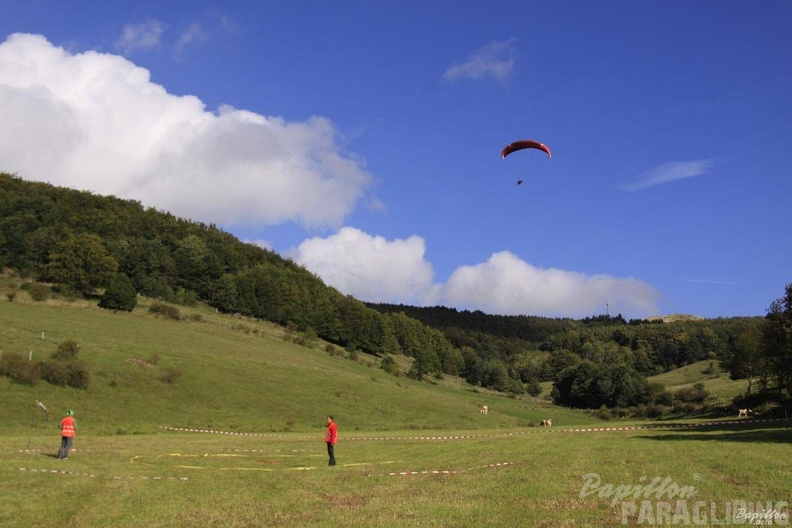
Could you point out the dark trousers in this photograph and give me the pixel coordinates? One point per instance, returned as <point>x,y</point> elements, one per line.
<point>331,454</point>
<point>66,443</point>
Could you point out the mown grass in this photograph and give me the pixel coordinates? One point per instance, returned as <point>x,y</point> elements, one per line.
<point>241,375</point>
<point>282,480</point>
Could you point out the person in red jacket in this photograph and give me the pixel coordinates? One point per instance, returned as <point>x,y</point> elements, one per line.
<point>68,427</point>
<point>331,436</point>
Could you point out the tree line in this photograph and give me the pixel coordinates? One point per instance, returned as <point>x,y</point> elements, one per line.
<point>90,244</point>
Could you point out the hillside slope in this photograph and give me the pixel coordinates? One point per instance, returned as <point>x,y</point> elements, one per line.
<point>228,373</point>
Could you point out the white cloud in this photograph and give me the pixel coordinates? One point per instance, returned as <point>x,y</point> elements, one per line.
<point>194,33</point>
<point>508,285</point>
<point>374,269</point>
<point>494,59</point>
<point>670,172</point>
<point>95,121</point>
<point>144,36</point>
<point>369,268</point>
<point>206,28</point>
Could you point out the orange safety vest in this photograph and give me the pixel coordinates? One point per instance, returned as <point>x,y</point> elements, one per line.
<point>67,426</point>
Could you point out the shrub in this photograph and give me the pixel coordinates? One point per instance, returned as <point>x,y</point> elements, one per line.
<point>11,296</point>
<point>39,292</point>
<point>67,292</point>
<point>694,394</point>
<point>389,365</point>
<point>710,369</point>
<point>19,369</point>
<point>603,413</point>
<point>170,376</point>
<point>120,295</point>
<point>66,351</point>
<point>307,339</point>
<point>55,373</point>
<point>534,388</point>
<point>333,351</point>
<point>655,410</point>
<point>72,373</point>
<point>166,311</point>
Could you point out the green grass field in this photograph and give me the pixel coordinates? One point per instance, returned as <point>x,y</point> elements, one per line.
<point>505,477</point>
<point>708,373</point>
<point>245,376</point>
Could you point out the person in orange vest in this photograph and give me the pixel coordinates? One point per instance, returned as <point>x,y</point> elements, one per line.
<point>331,436</point>
<point>68,427</point>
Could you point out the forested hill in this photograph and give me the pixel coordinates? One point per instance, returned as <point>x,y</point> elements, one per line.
<point>89,245</point>
<point>83,242</point>
<point>651,346</point>
<point>532,329</point>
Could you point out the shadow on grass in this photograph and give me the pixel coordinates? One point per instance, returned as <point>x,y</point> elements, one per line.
<point>747,431</point>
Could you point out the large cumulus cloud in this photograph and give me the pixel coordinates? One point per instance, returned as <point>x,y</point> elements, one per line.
<point>96,121</point>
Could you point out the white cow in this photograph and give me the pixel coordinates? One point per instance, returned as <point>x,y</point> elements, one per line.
<point>547,423</point>
<point>744,412</point>
<point>484,410</point>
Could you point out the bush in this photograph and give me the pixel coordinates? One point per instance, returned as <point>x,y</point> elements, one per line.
<point>170,376</point>
<point>166,311</point>
<point>333,351</point>
<point>55,373</point>
<point>66,373</point>
<point>534,388</point>
<point>120,295</point>
<point>67,292</point>
<point>11,296</point>
<point>78,375</point>
<point>694,394</point>
<point>603,413</point>
<point>66,351</point>
<point>39,292</point>
<point>19,369</point>
<point>389,365</point>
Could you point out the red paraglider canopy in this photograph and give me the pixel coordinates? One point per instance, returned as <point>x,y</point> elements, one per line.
<point>524,144</point>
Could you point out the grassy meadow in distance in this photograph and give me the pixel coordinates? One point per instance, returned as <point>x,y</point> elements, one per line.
<point>242,376</point>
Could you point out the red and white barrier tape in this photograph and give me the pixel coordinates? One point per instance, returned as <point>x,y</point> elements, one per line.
<point>447,471</point>
<point>494,435</point>
<point>78,474</point>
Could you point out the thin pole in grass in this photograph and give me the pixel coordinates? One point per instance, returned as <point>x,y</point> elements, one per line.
<point>32,422</point>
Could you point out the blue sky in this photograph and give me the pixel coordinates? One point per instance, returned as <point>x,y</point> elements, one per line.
<point>362,140</point>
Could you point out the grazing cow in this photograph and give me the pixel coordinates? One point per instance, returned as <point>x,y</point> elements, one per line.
<point>484,410</point>
<point>744,412</point>
<point>547,423</point>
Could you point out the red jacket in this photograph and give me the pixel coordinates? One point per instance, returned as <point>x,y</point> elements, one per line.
<point>332,433</point>
<point>68,427</point>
